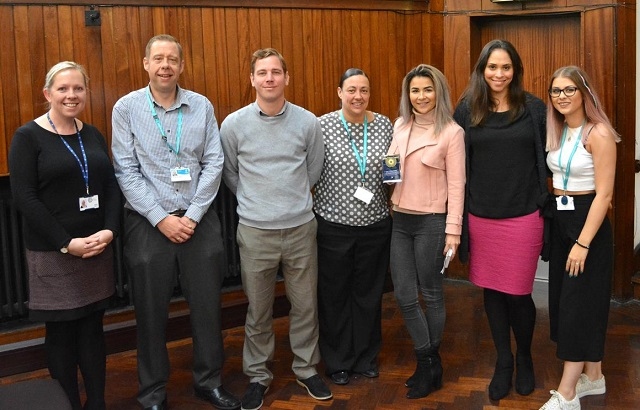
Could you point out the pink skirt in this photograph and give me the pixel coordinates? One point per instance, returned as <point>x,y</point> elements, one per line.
<point>504,252</point>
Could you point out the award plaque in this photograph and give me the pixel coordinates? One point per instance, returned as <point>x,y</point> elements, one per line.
<point>391,169</point>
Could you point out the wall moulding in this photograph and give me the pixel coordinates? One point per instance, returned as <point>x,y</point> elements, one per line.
<point>397,5</point>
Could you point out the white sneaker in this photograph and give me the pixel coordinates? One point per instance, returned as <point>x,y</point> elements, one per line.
<point>586,387</point>
<point>557,402</point>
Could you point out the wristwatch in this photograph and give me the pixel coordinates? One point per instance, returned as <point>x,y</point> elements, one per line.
<point>65,248</point>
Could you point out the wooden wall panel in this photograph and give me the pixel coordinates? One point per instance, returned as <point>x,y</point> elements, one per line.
<point>28,46</point>
<point>319,40</point>
<point>318,44</point>
<point>542,49</point>
<point>625,108</point>
<point>458,60</point>
<point>9,96</point>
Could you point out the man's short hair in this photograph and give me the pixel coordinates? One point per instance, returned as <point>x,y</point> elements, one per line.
<point>163,37</point>
<point>264,53</point>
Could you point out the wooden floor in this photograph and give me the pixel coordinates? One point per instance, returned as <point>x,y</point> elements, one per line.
<point>467,356</point>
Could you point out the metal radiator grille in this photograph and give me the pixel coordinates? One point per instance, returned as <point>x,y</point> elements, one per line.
<point>14,276</point>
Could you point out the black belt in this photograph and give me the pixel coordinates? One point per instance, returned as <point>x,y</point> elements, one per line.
<point>178,212</point>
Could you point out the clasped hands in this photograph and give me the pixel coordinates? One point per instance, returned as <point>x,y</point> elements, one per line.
<point>91,245</point>
<point>178,229</point>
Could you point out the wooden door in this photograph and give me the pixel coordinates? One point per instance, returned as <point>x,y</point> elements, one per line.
<point>544,43</point>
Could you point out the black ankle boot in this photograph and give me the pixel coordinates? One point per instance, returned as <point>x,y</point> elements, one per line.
<point>436,371</point>
<point>411,381</point>
<point>428,375</point>
<point>501,381</point>
<point>525,378</point>
<point>436,368</point>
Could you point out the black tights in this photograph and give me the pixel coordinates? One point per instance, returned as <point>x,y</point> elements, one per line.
<point>78,343</point>
<point>506,312</point>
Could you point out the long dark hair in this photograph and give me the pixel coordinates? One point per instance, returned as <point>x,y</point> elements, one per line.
<point>478,92</point>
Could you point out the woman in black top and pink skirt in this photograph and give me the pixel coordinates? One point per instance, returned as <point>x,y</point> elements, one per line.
<point>506,179</point>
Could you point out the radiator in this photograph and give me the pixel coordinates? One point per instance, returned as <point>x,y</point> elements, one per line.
<point>14,276</point>
<point>13,280</point>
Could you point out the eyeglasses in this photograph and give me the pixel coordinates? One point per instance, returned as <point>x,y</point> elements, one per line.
<point>568,91</point>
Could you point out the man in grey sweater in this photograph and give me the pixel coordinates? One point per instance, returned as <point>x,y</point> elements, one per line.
<point>273,156</point>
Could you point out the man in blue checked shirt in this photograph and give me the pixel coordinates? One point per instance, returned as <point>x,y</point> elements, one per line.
<point>168,160</point>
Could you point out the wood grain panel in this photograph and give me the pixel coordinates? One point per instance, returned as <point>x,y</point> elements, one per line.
<point>36,60</point>
<point>461,5</point>
<point>29,58</point>
<point>544,44</point>
<point>601,65</point>
<point>287,4</point>
<point>92,58</point>
<point>296,62</point>
<point>318,39</point>
<point>108,64</point>
<point>457,53</point>
<point>9,96</point>
<point>626,109</point>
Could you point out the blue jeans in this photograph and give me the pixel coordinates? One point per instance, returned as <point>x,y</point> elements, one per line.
<point>417,242</point>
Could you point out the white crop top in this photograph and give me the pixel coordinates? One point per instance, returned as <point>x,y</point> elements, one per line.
<point>581,174</point>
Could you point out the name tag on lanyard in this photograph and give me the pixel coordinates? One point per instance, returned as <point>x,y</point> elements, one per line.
<point>363,194</point>
<point>180,174</point>
<point>88,202</point>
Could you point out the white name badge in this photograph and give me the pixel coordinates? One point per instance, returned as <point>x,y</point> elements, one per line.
<point>88,202</point>
<point>363,194</point>
<point>180,174</point>
<point>565,203</point>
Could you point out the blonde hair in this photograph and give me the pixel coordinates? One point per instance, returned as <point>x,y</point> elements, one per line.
<point>443,108</point>
<point>62,66</point>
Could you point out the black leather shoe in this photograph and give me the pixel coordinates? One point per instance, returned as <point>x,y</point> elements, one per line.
<point>161,406</point>
<point>341,377</point>
<point>219,397</point>
<point>371,373</point>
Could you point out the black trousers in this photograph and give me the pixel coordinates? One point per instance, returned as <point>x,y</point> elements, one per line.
<point>579,306</point>
<point>352,264</point>
<point>155,265</point>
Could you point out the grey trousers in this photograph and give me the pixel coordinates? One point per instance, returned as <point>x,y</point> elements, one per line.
<point>262,253</point>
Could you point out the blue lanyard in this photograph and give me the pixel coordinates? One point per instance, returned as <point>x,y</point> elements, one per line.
<point>175,149</point>
<point>565,176</point>
<point>84,167</point>
<point>360,158</point>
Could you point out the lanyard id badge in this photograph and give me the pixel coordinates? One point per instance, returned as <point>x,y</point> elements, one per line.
<point>565,202</point>
<point>88,202</point>
<point>364,195</point>
<point>180,174</point>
